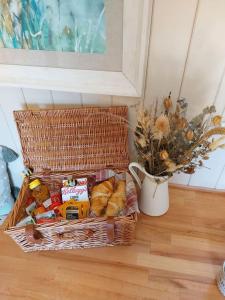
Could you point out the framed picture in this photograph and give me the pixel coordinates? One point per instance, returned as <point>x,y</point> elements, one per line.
<point>86,46</point>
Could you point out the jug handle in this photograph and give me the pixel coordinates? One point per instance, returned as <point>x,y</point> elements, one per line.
<point>138,166</point>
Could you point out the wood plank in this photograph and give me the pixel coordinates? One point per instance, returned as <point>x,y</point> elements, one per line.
<point>101,100</point>
<point>170,37</point>
<point>189,287</point>
<point>38,99</point>
<point>197,244</point>
<point>188,253</point>
<point>178,265</point>
<point>206,60</point>
<point>65,99</point>
<point>137,15</point>
<point>212,293</point>
<point>209,175</point>
<point>180,178</point>
<point>221,180</point>
<point>220,95</point>
<point>5,137</point>
<point>133,104</point>
<point>11,99</point>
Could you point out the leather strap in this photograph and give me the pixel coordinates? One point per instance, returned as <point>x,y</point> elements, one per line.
<point>110,230</point>
<point>33,236</point>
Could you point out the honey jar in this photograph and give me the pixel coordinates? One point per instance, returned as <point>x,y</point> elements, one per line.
<point>40,191</point>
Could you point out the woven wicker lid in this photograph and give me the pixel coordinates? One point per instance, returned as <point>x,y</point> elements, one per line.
<point>86,138</point>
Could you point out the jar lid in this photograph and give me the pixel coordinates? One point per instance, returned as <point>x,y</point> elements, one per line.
<point>35,183</point>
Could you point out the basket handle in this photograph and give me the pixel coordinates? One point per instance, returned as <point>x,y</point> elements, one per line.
<point>33,235</point>
<point>79,235</point>
<point>85,234</point>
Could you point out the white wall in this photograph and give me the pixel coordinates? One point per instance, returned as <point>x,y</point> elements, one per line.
<point>186,56</point>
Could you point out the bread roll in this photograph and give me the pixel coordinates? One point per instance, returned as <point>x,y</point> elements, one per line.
<point>117,201</point>
<point>100,195</point>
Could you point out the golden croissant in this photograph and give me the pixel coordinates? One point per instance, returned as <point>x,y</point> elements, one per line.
<point>117,201</point>
<point>100,195</point>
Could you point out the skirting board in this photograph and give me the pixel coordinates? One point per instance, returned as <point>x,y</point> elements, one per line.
<point>196,188</point>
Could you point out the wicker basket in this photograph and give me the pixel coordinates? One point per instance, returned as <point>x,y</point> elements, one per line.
<point>79,141</point>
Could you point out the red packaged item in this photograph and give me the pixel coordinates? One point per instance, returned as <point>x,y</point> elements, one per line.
<point>39,210</point>
<point>47,221</point>
<point>30,200</point>
<point>56,199</point>
<point>54,205</point>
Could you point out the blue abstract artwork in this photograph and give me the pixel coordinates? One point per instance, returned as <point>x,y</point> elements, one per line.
<point>54,25</point>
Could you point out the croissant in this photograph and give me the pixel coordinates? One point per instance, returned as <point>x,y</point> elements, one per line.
<point>100,195</point>
<point>117,201</point>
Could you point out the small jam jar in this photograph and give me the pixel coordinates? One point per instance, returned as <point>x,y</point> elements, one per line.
<point>40,191</point>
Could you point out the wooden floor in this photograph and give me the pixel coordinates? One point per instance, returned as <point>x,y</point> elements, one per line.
<point>176,256</point>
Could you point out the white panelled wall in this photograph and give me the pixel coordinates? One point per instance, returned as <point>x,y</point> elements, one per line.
<point>186,56</point>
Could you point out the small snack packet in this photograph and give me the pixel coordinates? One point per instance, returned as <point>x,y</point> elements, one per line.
<point>70,182</point>
<point>25,221</point>
<point>31,208</point>
<point>46,215</point>
<point>39,210</point>
<point>54,201</point>
<point>79,192</point>
<point>47,203</point>
<point>72,209</point>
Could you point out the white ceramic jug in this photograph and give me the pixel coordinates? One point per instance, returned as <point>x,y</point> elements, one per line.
<point>154,192</point>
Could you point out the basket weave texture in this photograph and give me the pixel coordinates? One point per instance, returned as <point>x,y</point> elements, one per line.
<point>74,139</point>
<point>78,142</point>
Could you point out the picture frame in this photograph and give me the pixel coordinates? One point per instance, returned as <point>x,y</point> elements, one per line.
<point>127,82</point>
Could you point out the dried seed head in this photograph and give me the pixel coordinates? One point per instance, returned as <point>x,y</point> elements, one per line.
<point>171,166</point>
<point>189,135</point>
<point>162,127</point>
<point>142,142</point>
<point>205,157</point>
<point>182,123</point>
<point>163,155</point>
<point>167,103</point>
<point>217,120</point>
<point>189,170</point>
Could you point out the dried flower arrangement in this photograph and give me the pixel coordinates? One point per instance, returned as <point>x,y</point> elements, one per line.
<point>168,142</point>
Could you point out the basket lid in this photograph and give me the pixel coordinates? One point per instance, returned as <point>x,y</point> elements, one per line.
<point>85,138</point>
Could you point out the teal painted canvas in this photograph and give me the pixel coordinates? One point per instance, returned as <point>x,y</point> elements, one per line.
<point>54,25</point>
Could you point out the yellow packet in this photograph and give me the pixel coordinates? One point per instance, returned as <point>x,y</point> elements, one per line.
<point>72,210</point>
